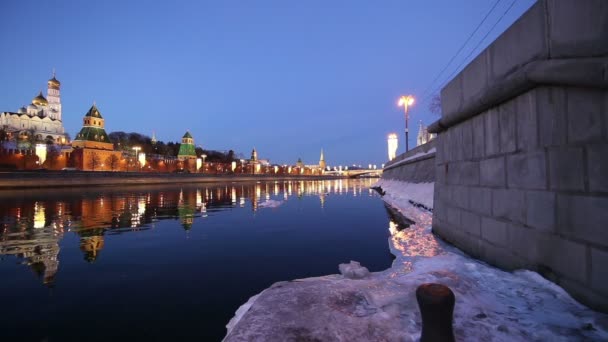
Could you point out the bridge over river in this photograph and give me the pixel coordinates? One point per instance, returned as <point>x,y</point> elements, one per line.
<point>356,173</point>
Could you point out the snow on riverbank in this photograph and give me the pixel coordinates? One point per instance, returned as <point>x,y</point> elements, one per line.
<point>491,305</point>
<point>398,194</point>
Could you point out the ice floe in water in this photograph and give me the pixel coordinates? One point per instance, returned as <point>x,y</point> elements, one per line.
<point>270,204</point>
<point>491,304</point>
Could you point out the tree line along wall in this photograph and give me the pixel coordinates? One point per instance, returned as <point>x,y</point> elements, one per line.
<point>522,149</point>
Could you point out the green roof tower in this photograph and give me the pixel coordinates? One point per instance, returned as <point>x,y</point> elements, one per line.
<point>186,149</point>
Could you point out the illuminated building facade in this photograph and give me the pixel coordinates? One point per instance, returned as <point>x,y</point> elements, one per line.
<point>255,164</point>
<point>322,164</point>
<point>186,148</point>
<point>43,116</point>
<point>393,143</point>
<point>423,135</point>
<point>93,150</point>
<point>187,153</point>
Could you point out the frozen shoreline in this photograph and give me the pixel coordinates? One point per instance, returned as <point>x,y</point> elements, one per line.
<point>491,304</point>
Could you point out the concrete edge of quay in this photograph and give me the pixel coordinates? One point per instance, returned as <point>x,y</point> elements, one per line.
<point>59,179</point>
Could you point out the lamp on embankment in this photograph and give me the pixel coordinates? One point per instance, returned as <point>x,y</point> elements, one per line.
<point>406,101</point>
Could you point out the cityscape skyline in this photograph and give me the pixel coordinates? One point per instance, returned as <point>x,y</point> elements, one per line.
<point>242,76</point>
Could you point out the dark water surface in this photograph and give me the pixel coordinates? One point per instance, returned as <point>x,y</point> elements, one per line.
<point>171,263</point>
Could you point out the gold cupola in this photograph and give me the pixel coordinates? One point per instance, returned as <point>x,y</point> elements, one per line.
<point>53,83</point>
<point>40,100</point>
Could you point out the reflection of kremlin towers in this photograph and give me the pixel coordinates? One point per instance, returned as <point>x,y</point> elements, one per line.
<point>40,251</point>
<point>186,208</point>
<point>91,245</point>
<point>28,237</point>
<point>31,230</point>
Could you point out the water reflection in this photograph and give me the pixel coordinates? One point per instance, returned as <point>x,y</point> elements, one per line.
<point>33,222</point>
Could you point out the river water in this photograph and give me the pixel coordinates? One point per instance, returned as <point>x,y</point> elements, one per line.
<point>171,263</point>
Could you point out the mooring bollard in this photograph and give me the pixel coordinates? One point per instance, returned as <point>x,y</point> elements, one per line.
<point>436,303</point>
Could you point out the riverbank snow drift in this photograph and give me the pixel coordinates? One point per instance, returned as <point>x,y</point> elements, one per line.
<point>491,304</point>
<point>399,194</point>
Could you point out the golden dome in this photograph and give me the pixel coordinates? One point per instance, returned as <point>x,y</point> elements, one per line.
<point>53,82</point>
<point>40,100</point>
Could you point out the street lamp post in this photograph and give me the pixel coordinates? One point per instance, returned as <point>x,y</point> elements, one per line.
<point>406,101</point>
<point>204,156</point>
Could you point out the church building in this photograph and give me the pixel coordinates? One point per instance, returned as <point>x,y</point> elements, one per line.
<point>42,116</point>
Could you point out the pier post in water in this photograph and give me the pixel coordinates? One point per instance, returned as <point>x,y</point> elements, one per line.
<point>436,303</point>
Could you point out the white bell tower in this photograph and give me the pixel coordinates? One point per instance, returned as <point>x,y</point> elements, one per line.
<point>53,96</point>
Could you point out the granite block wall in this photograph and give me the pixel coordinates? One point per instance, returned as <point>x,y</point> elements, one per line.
<point>415,166</point>
<point>522,150</point>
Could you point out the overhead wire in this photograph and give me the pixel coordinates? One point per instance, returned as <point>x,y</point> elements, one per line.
<point>476,46</point>
<point>429,87</point>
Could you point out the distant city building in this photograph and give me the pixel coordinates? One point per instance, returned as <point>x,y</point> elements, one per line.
<point>187,154</point>
<point>423,135</point>
<point>93,149</point>
<point>393,143</point>
<point>254,163</point>
<point>312,169</point>
<point>42,116</point>
<point>187,149</point>
<point>322,164</point>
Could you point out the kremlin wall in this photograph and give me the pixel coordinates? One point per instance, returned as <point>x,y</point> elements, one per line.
<point>34,139</point>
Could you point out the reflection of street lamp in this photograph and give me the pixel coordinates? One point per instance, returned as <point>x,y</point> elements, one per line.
<point>406,102</point>
<point>137,149</point>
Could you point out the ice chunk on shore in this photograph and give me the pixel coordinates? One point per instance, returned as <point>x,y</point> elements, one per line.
<point>353,270</point>
<point>491,304</point>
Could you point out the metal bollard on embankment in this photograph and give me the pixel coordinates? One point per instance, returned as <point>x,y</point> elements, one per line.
<point>436,303</point>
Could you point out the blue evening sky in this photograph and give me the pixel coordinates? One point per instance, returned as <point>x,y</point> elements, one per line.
<point>287,77</point>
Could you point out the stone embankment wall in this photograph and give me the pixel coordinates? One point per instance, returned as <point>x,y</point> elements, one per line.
<point>414,166</point>
<point>47,179</point>
<point>522,150</point>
